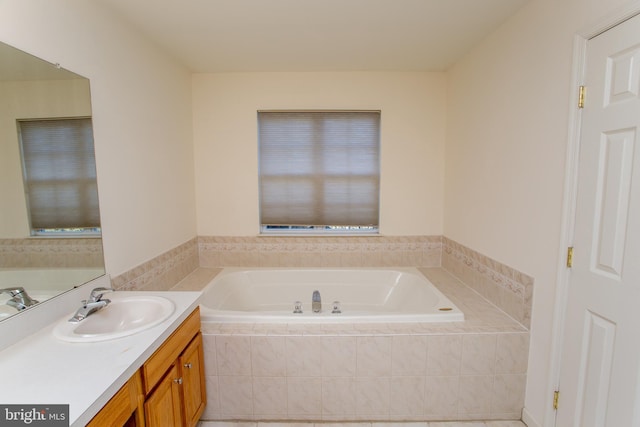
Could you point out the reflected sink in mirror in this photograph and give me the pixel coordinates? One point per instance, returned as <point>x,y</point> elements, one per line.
<point>124,316</point>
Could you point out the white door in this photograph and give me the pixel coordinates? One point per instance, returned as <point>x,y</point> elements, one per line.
<point>600,368</point>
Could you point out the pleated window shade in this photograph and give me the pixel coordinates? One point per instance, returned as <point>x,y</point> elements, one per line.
<point>60,174</point>
<point>319,170</point>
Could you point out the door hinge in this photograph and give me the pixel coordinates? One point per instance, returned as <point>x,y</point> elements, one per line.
<point>570,257</point>
<point>581,93</point>
<point>556,396</point>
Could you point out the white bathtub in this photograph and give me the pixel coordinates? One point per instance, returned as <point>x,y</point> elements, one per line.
<point>365,295</point>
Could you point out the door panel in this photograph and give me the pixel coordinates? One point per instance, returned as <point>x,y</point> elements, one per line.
<point>601,350</point>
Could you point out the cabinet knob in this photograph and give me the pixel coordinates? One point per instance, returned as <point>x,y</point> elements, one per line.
<point>187,365</point>
<point>178,380</point>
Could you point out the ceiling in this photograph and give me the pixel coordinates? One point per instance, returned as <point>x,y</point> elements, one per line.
<point>315,35</point>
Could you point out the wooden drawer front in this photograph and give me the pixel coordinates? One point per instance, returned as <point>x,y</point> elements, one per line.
<point>154,369</point>
<point>119,409</point>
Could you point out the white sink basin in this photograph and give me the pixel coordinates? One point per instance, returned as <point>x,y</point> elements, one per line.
<point>126,315</point>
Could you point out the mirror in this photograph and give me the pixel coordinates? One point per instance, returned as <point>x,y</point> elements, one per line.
<point>44,261</point>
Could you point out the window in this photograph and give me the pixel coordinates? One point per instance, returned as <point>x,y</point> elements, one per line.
<point>319,171</point>
<point>60,176</point>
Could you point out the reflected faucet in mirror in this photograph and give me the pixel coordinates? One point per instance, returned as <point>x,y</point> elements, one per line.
<point>46,246</point>
<point>20,300</point>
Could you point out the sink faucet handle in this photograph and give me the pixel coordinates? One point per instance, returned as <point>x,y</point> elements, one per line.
<point>97,293</point>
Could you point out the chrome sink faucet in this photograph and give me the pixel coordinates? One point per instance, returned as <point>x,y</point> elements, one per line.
<point>19,300</point>
<point>316,302</point>
<point>93,304</point>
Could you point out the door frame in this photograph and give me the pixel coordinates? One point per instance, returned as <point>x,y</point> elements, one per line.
<point>569,199</point>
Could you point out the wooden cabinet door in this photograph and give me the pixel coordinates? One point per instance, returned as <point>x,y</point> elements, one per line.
<point>162,408</point>
<point>194,395</point>
<point>124,408</point>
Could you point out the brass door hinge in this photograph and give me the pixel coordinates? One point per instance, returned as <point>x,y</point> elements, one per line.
<point>570,257</point>
<point>581,93</point>
<point>556,396</point>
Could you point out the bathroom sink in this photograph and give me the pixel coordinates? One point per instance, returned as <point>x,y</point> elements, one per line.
<point>124,316</point>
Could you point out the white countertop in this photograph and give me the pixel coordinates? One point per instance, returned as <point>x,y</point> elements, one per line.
<point>41,369</point>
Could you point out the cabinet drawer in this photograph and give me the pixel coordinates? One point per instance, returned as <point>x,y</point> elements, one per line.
<point>154,369</point>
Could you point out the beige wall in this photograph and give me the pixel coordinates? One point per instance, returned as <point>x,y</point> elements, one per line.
<point>506,139</point>
<point>507,117</point>
<point>141,104</point>
<point>30,100</point>
<point>412,142</point>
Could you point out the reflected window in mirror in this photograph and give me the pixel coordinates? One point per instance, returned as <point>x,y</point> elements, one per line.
<point>45,266</point>
<point>59,172</point>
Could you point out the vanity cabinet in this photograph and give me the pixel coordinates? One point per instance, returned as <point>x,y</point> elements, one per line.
<point>163,407</point>
<point>173,378</point>
<point>169,389</point>
<point>125,408</point>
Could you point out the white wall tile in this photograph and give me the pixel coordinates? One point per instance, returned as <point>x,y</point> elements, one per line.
<point>372,398</point>
<point>209,350</point>
<point>338,397</point>
<point>478,354</point>
<point>512,352</point>
<point>339,356</point>
<point>304,356</point>
<point>212,409</point>
<point>268,356</point>
<point>409,355</point>
<point>374,356</point>
<point>443,354</point>
<point>236,397</point>
<point>441,397</point>
<point>508,393</point>
<point>304,396</point>
<point>475,394</point>
<point>407,397</point>
<point>233,354</point>
<point>270,396</point>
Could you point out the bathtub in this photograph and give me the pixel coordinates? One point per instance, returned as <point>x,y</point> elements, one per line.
<point>267,295</point>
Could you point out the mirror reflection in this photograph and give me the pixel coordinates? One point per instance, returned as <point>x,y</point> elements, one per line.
<point>50,235</point>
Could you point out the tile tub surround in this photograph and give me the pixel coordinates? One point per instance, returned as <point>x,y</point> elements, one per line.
<point>51,253</point>
<point>473,370</point>
<point>345,251</point>
<point>509,289</point>
<point>162,272</point>
<point>505,287</point>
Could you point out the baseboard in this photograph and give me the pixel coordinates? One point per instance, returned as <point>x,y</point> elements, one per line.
<point>528,419</point>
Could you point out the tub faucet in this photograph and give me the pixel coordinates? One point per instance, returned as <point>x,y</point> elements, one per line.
<point>316,302</point>
<point>19,300</point>
<point>93,304</point>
